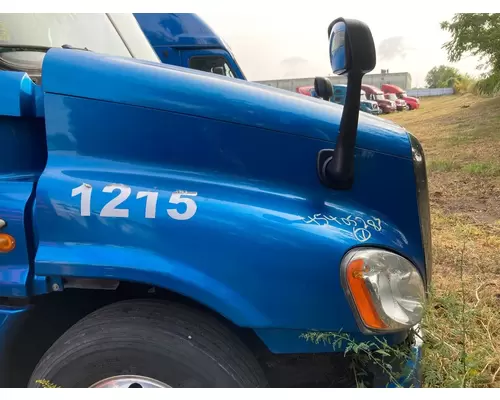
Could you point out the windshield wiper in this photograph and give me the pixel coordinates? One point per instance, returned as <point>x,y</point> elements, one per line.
<point>68,46</point>
<point>8,48</point>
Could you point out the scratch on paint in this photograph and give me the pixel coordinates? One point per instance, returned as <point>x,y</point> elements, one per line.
<point>361,228</point>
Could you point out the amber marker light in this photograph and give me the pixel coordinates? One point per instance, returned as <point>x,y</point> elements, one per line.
<point>7,243</point>
<point>361,295</point>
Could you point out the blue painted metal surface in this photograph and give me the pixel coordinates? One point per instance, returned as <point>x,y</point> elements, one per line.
<point>282,341</point>
<point>178,30</point>
<point>210,96</point>
<point>23,158</point>
<point>265,243</point>
<point>414,374</point>
<point>15,266</point>
<point>19,96</point>
<point>173,36</point>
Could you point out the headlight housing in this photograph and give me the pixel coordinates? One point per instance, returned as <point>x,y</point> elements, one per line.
<point>385,290</point>
<point>423,203</point>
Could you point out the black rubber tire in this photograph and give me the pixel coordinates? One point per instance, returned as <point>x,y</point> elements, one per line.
<point>169,342</point>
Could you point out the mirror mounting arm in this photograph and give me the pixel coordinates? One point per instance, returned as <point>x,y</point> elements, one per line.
<point>339,171</point>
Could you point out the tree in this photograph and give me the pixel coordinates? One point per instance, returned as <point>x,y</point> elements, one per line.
<point>477,34</point>
<point>442,76</point>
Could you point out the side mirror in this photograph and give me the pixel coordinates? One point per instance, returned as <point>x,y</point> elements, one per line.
<point>352,53</point>
<point>323,88</point>
<point>352,49</point>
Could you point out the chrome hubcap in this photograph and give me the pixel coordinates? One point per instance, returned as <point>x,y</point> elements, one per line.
<point>129,382</point>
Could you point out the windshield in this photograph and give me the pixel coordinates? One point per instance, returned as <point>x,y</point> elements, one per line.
<point>379,96</point>
<point>363,97</point>
<point>391,96</point>
<point>93,31</point>
<point>401,95</point>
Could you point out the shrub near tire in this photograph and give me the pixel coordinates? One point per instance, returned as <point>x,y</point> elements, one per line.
<point>148,344</point>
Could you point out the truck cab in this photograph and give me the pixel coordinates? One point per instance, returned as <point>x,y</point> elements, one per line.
<point>401,105</point>
<point>412,102</point>
<point>186,40</point>
<point>369,106</point>
<point>306,90</point>
<point>155,234</point>
<point>375,94</point>
<point>365,105</point>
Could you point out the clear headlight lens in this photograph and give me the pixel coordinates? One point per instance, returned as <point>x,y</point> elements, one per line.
<point>385,290</point>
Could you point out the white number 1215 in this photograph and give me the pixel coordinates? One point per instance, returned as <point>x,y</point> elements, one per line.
<point>111,208</point>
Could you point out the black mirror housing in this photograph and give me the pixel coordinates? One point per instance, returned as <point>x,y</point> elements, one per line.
<point>323,88</point>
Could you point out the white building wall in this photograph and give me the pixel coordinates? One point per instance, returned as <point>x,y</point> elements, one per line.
<point>401,79</point>
<point>430,92</point>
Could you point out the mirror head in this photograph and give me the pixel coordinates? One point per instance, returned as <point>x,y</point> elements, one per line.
<point>323,88</point>
<point>351,47</point>
<point>218,70</point>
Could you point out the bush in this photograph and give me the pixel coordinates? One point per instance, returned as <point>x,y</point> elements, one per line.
<point>488,86</point>
<point>464,84</point>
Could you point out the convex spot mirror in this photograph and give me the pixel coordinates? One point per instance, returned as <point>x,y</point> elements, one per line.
<point>351,47</point>
<point>323,88</point>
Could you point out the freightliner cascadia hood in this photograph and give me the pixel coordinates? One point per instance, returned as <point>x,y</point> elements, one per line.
<point>180,90</point>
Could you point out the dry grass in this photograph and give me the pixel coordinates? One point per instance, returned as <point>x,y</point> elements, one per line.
<point>461,138</point>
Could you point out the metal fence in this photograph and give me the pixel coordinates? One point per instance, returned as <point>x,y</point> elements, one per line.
<point>430,92</point>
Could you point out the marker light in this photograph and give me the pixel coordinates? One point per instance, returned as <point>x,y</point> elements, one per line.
<point>7,243</point>
<point>385,290</point>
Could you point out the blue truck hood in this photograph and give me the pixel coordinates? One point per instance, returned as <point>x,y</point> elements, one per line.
<point>180,90</point>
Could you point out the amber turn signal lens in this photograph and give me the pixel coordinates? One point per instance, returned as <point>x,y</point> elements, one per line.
<point>361,295</point>
<point>7,243</point>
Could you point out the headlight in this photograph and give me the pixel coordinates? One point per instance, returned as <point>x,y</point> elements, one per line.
<point>384,289</point>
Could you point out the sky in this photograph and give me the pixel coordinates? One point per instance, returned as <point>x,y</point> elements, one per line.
<point>286,40</point>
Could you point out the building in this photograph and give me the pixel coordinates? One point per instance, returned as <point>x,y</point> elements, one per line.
<point>401,79</point>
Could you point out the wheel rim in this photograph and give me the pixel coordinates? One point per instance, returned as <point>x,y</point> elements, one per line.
<point>129,382</point>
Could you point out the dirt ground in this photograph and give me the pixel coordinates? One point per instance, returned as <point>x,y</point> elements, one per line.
<point>461,139</point>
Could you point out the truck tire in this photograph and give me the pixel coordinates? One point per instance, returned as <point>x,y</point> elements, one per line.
<point>145,343</point>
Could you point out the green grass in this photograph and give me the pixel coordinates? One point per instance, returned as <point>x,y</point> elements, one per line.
<point>483,168</point>
<point>458,140</point>
<point>461,139</point>
<point>442,166</point>
<point>489,169</point>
